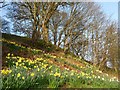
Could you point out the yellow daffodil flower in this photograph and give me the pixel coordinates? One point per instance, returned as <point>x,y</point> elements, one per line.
<point>23,77</point>
<point>18,75</point>
<point>16,63</point>
<point>38,69</point>
<point>57,74</point>
<point>8,54</point>
<point>32,74</point>
<point>6,71</point>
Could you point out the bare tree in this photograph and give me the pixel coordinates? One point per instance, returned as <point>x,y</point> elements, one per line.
<point>112,42</point>
<point>5,28</point>
<point>38,13</point>
<point>79,27</point>
<point>3,4</point>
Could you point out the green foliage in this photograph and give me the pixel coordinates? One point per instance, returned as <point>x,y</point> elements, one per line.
<point>25,73</point>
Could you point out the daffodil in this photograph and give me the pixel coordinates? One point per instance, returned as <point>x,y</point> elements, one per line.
<point>20,64</point>
<point>100,71</point>
<point>24,67</point>
<point>93,76</point>
<point>106,74</point>
<point>16,63</point>
<point>103,79</point>
<point>82,73</point>
<point>98,76</point>
<point>12,55</point>
<point>61,77</point>
<point>38,69</point>
<point>50,67</point>
<point>72,74</point>
<point>7,57</point>
<point>23,77</point>
<point>18,75</point>
<point>91,71</point>
<point>35,66</point>
<point>4,72</point>
<point>31,62</point>
<point>12,75</point>
<point>45,65</point>
<point>39,59</point>
<point>32,74</point>
<point>53,56</point>
<point>78,76</point>
<point>20,60</point>
<point>10,71</point>
<point>57,74</point>
<point>8,54</point>
<point>80,66</point>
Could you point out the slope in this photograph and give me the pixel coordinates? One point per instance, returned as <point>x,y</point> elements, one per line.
<point>47,63</point>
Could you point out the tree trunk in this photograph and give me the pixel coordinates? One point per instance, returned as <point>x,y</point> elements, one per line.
<point>55,34</point>
<point>45,32</point>
<point>102,64</point>
<point>36,33</point>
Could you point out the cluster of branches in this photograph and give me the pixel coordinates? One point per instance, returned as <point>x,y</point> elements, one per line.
<point>81,28</point>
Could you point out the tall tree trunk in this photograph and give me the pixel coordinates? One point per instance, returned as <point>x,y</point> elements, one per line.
<point>34,36</point>
<point>55,39</point>
<point>36,33</point>
<point>45,32</point>
<point>55,34</point>
<point>102,64</point>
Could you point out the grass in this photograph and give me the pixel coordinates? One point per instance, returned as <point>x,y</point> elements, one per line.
<point>33,67</point>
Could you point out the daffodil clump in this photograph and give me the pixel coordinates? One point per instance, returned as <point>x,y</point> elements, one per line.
<point>6,71</point>
<point>22,47</point>
<point>27,73</point>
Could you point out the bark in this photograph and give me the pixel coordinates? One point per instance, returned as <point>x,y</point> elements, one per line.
<point>45,32</point>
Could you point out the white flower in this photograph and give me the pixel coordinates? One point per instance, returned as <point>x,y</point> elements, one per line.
<point>103,79</point>
<point>98,76</point>
<point>100,71</point>
<point>106,74</point>
<point>114,78</point>
<point>110,80</point>
<point>95,77</point>
<point>117,80</point>
<point>97,70</point>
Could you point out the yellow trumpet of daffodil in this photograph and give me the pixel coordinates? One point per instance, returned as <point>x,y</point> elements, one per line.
<point>20,60</point>
<point>23,77</point>
<point>18,75</point>
<point>57,74</point>
<point>32,74</point>
<point>6,71</point>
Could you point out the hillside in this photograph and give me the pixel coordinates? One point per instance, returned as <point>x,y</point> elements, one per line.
<point>28,64</point>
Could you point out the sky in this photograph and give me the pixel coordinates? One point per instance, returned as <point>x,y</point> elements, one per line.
<point>110,9</point>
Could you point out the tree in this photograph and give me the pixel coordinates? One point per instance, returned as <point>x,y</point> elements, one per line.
<point>80,28</point>
<point>38,13</point>
<point>4,25</point>
<point>112,42</point>
<point>3,4</point>
<point>76,19</point>
<point>55,27</point>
